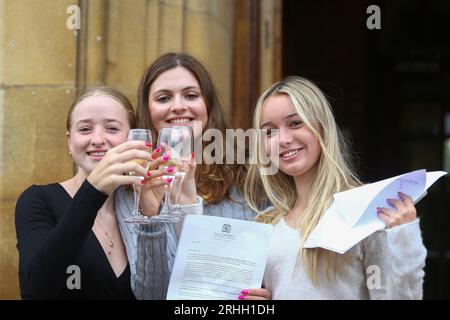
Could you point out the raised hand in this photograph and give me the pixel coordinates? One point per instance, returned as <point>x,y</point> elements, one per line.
<point>112,171</point>
<point>402,211</point>
<point>153,186</point>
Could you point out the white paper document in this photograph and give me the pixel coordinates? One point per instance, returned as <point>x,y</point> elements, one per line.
<point>353,214</point>
<point>218,257</point>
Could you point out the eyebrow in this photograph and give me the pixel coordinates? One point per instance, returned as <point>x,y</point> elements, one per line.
<point>90,120</point>
<point>285,117</point>
<point>184,89</point>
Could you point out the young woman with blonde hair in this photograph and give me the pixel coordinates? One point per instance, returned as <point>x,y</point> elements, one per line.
<point>313,165</point>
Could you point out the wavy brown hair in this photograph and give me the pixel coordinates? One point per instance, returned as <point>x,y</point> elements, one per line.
<point>213,180</point>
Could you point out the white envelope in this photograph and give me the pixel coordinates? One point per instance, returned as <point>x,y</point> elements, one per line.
<point>352,216</point>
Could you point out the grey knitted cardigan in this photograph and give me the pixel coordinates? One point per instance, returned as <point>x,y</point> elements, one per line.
<point>151,248</point>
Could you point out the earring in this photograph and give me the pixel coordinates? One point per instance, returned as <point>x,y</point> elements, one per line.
<point>70,153</point>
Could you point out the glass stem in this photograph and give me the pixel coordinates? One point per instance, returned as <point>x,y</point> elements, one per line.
<point>178,194</point>
<point>165,209</point>
<point>137,196</point>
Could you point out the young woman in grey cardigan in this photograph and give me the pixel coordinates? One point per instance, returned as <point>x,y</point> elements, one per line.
<point>177,89</point>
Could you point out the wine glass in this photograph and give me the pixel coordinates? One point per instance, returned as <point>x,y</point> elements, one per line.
<point>142,135</point>
<point>178,142</point>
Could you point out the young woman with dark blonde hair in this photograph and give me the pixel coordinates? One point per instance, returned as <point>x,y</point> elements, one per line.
<point>69,243</point>
<point>313,166</point>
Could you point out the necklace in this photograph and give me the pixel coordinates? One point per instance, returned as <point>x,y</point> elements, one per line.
<point>110,242</point>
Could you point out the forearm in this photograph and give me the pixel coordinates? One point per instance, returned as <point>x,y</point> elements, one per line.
<point>408,256</point>
<point>398,256</point>
<point>153,262</point>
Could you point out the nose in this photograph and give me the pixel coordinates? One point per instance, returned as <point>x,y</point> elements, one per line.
<point>178,105</point>
<point>98,137</point>
<point>285,136</point>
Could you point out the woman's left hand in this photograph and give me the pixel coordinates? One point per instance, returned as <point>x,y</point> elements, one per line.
<point>255,294</point>
<point>404,211</point>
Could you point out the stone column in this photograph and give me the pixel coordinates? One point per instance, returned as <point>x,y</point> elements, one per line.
<point>37,84</point>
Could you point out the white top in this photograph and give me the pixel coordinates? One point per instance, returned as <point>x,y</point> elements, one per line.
<point>390,261</point>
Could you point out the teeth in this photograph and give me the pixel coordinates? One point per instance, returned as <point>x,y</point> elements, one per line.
<point>180,120</point>
<point>97,153</point>
<point>289,153</point>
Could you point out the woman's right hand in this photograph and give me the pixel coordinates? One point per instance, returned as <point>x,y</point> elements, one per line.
<point>153,186</point>
<point>112,171</point>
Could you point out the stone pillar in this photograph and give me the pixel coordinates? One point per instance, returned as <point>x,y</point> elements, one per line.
<point>37,84</point>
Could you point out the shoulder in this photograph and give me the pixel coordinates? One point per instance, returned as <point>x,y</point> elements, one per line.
<point>39,191</point>
<point>36,199</point>
<point>40,197</point>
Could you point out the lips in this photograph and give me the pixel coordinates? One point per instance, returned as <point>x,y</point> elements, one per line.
<point>290,154</point>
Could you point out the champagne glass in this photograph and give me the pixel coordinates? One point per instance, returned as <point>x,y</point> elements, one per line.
<point>141,135</point>
<point>178,141</point>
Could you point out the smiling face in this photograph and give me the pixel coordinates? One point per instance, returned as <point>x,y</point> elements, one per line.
<point>299,148</point>
<point>176,100</point>
<point>98,123</point>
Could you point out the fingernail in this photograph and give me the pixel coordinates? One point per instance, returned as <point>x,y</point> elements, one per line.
<point>169,169</point>
<point>166,157</point>
<point>244,291</point>
<point>148,174</point>
<point>148,144</point>
<point>241,297</point>
<point>142,182</point>
<point>193,155</point>
<point>158,149</point>
<point>169,180</point>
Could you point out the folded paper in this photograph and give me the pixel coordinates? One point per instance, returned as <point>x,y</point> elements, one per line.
<point>353,214</point>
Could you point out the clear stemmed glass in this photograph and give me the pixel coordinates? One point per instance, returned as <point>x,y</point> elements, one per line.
<point>178,141</point>
<point>141,135</point>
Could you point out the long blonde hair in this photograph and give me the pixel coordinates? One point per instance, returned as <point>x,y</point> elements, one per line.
<point>334,172</point>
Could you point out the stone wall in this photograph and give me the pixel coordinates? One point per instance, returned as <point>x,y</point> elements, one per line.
<point>43,64</point>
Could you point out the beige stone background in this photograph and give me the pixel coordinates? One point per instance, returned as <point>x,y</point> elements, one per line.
<point>43,64</point>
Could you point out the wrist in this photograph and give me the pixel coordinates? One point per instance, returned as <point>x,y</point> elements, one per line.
<point>148,210</point>
<point>189,200</point>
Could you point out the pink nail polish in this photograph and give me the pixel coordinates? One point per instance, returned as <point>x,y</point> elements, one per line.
<point>169,180</point>
<point>158,149</point>
<point>148,174</point>
<point>166,157</point>
<point>148,144</point>
<point>170,169</point>
<point>244,291</point>
<point>241,297</point>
